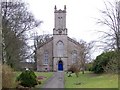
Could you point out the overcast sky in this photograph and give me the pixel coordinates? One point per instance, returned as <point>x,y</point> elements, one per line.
<point>81,14</point>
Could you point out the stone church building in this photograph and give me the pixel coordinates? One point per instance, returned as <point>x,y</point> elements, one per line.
<point>60,51</point>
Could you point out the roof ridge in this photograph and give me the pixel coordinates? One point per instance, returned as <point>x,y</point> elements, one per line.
<point>50,39</point>
<point>72,40</point>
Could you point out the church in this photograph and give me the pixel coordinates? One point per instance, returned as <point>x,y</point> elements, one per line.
<point>60,51</point>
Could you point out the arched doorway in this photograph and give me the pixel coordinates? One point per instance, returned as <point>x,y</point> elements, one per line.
<point>60,65</point>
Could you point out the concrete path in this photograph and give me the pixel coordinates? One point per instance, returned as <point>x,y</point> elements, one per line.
<point>57,81</point>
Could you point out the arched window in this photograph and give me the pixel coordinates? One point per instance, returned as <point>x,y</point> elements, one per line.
<point>60,49</point>
<point>46,57</point>
<point>74,56</point>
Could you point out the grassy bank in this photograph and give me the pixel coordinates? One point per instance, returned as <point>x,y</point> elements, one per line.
<point>90,80</point>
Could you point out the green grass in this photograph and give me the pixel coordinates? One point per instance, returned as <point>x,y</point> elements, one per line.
<point>89,80</point>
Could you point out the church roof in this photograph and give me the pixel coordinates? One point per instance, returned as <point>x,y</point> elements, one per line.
<point>40,45</point>
<point>72,40</point>
<point>50,39</point>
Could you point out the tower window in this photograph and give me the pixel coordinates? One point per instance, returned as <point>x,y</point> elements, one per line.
<point>59,17</point>
<point>60,31</point>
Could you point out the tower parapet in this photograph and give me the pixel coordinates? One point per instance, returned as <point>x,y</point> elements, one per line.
<point>60,21</point>
<point>60,11</point>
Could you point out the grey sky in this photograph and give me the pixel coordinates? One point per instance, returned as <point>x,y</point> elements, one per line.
<point>80,14</point>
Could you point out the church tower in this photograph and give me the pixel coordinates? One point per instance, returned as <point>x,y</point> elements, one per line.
<point>60,21</point>
<point>60,40</point>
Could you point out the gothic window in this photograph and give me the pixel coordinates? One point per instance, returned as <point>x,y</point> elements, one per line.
<point>60,48</point>
<point>74,56</point>
<point>46,57</point>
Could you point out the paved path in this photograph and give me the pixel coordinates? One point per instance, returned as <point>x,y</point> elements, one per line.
<point>57,81</point>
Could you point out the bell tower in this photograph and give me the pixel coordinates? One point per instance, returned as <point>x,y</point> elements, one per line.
<point>60,21</point>
<point>60,39</point>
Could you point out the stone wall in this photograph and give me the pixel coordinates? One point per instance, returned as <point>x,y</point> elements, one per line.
<point>69,46</point>
<point>40,56</point>
<point>72,45</point>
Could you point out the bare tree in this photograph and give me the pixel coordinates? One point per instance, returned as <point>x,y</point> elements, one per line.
<point>85,54</point>
<point>16,20</point>
<point>38,41</point>
<point>111,19</point>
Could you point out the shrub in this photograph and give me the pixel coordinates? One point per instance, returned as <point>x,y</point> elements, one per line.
<point>27,79</point>
<point>7,76</point>
<point>106,62</point>
<point>112,66</point>
<point>100,62</point>
<point>73,69</point>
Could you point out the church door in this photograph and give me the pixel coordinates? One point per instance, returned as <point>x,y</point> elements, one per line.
<point>60,65</point>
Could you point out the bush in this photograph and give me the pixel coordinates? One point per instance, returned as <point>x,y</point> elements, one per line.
<point>106,62</point>
<point>100,62</point>
<point>27,79</point>
<point>112,66</point>
<point>7,76</point>
<point>73,69</point>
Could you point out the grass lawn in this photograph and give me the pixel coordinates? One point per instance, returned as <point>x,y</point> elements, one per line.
<point>45,74</point>
<point>90,80</point>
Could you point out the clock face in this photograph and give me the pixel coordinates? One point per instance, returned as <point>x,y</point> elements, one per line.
<point>60,31</point>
